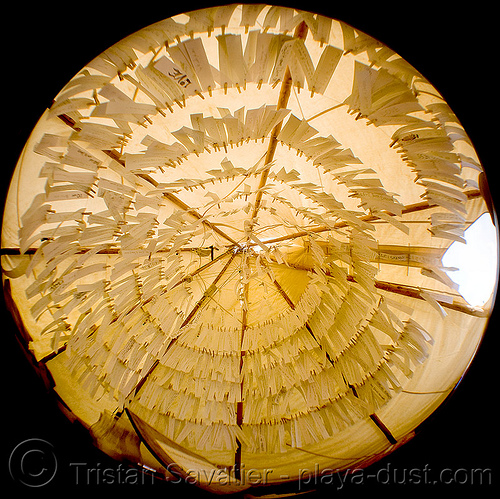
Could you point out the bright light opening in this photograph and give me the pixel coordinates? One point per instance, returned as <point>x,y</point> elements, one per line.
<point>476,262</point>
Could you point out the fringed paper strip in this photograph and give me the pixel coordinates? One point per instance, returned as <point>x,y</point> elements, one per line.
<point>193,434</point>
<point>287,323</point>
<point>211,337</point>
<point>266,377</point>
<point>324,420</point>
<point>428,149</point>
<point>380,97</point>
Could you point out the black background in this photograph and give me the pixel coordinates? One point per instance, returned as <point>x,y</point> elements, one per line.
<point>454,45</point>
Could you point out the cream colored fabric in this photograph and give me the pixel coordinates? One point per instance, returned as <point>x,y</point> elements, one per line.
<point>248,274</point>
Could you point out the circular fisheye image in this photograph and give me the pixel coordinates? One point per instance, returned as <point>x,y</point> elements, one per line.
<point>247,241</point>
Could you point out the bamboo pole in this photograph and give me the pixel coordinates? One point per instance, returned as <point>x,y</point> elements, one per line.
<point>411,208</point>
<point>286,88</point>
<point>239,405</point>
<point>401,289</point>
<point>177,201</point>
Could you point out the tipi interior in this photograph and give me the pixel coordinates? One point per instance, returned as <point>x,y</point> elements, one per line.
<point>223,243</point>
